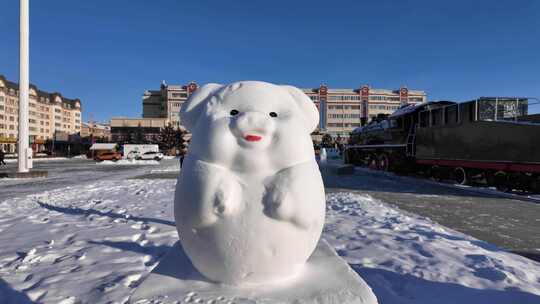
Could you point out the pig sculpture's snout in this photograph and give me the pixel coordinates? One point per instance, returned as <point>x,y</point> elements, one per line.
<point>253,126</point>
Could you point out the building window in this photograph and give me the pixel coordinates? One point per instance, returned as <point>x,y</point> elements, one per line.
<point>178,95</point>
<point>388,98</point>
<point>344,97</point>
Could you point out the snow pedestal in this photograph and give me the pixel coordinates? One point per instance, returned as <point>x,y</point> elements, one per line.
<point>326,279</point>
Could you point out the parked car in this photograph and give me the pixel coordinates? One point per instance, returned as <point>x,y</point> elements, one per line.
<point>114,156</point>
<point>150,155</point>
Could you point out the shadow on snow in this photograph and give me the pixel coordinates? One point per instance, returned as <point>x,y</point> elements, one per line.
<point>10,295</point>
<point>86,212</point>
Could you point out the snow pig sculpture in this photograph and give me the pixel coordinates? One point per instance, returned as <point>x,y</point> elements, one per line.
<point>249,203</point>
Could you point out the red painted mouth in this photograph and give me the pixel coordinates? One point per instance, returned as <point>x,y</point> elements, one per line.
<point>252,137</point>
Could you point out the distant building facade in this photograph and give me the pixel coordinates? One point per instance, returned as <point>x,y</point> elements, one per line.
<point>166,102</point>
<point>343,110</point>
<point>96,131</point>
<point>340,110</point>
<point>50,115</point>
<point>133,130</point>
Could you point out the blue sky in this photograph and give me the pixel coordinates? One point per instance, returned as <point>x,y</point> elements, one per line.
<point>108,52</point>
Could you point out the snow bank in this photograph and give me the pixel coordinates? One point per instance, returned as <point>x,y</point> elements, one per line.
<point>128,162</point>
<point>94,243</point>
<point>409,259</point>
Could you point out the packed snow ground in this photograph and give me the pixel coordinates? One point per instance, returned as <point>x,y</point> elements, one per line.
<point>95,243</point>
<point>44,159</point>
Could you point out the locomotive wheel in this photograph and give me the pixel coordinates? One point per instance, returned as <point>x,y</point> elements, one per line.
<point>435,173</point>
<point>384,162</point>
<point>501,181</point>
<point>460,176</point>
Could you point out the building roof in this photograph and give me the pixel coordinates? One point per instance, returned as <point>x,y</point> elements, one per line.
<point>356,91</point>
<point>50,96</point>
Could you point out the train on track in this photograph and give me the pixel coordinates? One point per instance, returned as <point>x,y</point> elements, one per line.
<point>490,140</point>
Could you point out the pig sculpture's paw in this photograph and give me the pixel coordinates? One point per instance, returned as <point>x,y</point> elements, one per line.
<point>286,197</point>
<point>279,203</point>
<point>223,202</point>
<point>211,193</point>
<point>227,197</point>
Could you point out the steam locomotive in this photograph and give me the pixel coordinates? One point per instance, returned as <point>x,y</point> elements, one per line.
<point>489,140</point>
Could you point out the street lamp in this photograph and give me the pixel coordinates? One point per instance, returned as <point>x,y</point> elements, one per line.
<point>24,153</point>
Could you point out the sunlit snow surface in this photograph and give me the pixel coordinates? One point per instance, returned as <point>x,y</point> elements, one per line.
<point>94,243</point>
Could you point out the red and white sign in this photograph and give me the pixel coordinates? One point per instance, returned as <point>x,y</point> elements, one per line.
<point>364,95</point>
<point>404,92</point>
<point>192,87</point>
<point>403,95</point>
<point>364,91</point>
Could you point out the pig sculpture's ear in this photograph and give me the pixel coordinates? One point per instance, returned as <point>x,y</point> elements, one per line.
<point>306,105</point>
<point>192,109</point>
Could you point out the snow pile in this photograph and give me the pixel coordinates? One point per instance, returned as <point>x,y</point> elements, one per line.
<point>409,259</point>
<point>82,156</point>
<point>169,157</point>
<point>128,162</point>
<point>94,244</point>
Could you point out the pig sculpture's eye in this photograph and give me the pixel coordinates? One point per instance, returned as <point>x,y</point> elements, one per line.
<point>234,112</point>
<point>273,114</point>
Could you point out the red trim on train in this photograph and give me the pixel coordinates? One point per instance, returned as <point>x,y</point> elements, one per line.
<point>516,167</point>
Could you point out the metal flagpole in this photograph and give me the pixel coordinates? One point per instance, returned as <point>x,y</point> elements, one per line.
<point>23,157</point>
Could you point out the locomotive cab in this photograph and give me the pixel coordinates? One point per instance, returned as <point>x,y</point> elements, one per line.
<point>491,139</point>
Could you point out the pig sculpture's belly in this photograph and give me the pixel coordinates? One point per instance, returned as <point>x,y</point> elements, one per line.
<point>233,230</point>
